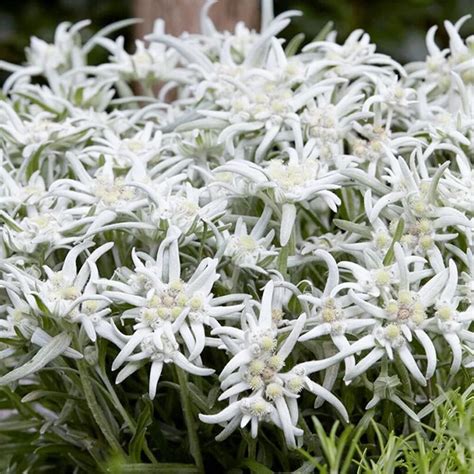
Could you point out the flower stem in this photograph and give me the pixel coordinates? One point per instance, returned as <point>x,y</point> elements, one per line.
<point>96,410</point>
<point>127,418</point>
<point>285,252</point>
<point>189,419</point>
<point>404,378</point>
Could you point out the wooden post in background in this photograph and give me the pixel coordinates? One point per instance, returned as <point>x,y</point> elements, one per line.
<point>183,15</point>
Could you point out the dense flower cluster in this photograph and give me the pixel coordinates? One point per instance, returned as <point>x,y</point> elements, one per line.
<point>294,211</point>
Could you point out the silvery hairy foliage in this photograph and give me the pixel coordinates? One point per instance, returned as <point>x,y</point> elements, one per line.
<point>288,223</point>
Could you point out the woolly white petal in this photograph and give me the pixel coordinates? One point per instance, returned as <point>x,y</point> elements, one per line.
<point>317,331</point>
<point>254,427</point>
<point>356,323</point>
<point>397,400</point>
<point>430,351</point>
<point>265,317</point>
<point>229,429</point>
<point>363,365</point>
<point>292,338</point>
<point>226,414</point>
<point>383,202</point>
<point>452,283</point>
<point>369,307</point>
<point>234,390</point>
<point>372,402</point>
<point>155,372</point>
<point>410,363</point>
<point>333,275</point>
<point>198,331</point>
<point>133,342</point>
<point>286,423</point>
<point>128,370</point>
<point>241,358</point>
<point>455,344</point>
<point>364,343</point>
<point>341,342</point>
<point>328,396</point>
<point>184,363</point>
<point>287,223</point>
<point>431,290</point>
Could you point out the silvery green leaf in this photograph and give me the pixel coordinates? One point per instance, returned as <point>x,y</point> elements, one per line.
<point>54,348</point>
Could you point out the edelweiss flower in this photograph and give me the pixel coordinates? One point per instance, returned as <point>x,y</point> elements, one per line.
<point>144,146</point>
<point>47,228</point>
<point>452,323</point>
<point>351,59</point>
<point>41,131</point>
<point>14,192</point>
<point>289,183</point>
<point>149,63</point>
<point>106,196</point>
<point>334,314</point>
<point>402,316</point>
<point>457,189</point>
<point>249,250</point>
<point>184,209</point>
<point>163,306</point>
<point>256,367</point>
<point>69,293</point>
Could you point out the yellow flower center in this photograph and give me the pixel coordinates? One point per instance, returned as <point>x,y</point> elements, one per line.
<point>295,384</point>
<point>248,243</point>
<point>392,331</point>
<point>267,343</point>
<point>382,278</point>
<point>256,367</point>
<point>445,313</point>
<point>273,391</point>
<point>275,362</point>
<point>70,293</point>
<point>259,408</point>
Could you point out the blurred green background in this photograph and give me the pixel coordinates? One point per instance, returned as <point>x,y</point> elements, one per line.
<point>397,27</point>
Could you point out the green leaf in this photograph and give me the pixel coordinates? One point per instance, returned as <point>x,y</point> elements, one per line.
<point>38,102</point>
<point>96,409</point>
<point>9,221</point>
<point>138,439</point>
<point>435,181</point>
<point>32,164</point>
<point>348,226</point>
<point>41,304</point>
<point>18,425</point>
<point>187,408</point>
<point>361,178</point>
<point>255,467</point>
<point>50,394</point>
<point>396,238</point>
<point>294,44</point>
<point>55,347</point>
<point>198,398</point>
<point>169,468</point>
<point>78,96</point>
<point>321,36</point>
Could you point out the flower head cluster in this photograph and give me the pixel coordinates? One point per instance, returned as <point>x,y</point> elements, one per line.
<point>169,314</point>
<point>259,369</point>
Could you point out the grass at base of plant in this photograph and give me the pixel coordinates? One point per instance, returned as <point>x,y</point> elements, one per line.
<point>446,446</point>
<point>442,443</point>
